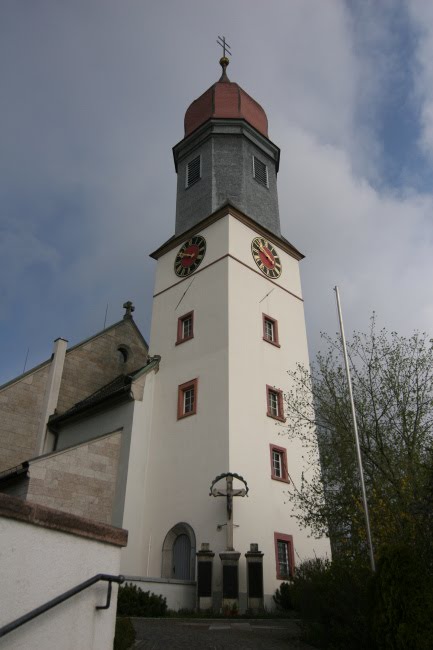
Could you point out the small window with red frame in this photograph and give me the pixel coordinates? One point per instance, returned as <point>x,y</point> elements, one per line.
<point>275,403</point>
<point>187,399</point>
<point>270,330</point>
<point>284,556</point>
<point>185,328</point>
<point>279,463</point>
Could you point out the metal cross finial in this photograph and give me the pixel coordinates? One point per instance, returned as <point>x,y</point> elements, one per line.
<point>226,47</point>
<point>129,306</point>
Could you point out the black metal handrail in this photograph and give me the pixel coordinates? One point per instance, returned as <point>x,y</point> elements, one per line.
<point>106,577</point>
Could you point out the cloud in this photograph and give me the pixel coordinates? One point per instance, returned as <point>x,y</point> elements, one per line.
<point>421,14</point>
<point>94,99</point>
<point>376,246</point>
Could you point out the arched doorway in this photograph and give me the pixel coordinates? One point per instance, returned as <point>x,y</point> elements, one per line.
<point>181,557</point>
<point>178,553</point>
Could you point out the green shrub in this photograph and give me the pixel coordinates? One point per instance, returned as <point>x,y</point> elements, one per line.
<point>125,634</point>
<point>343,605</point>
<point>132,601</point>
<point>283,597</point>
<point>402,600</point>
<point>332,600</point>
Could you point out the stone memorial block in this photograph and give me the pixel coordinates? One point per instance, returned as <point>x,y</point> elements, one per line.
<point>230,570</point>
<point>254,578</point>
<point>204,577</point>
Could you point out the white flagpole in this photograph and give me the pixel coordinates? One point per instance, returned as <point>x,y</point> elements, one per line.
<point>355,429</point>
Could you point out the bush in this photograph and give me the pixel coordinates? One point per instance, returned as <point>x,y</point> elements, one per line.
<point>125,634</point>
<point>283,597</point>
<point>402,596</point>
<point>132,601</point>
<point>332,600</point>
<point>342,605</point>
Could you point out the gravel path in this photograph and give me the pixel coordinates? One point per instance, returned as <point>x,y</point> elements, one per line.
<point>217,634</point>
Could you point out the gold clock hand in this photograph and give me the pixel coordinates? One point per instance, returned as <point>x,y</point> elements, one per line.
<point>263,249</point>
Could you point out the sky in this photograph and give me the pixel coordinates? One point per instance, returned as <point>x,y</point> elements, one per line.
<point>93,96</point>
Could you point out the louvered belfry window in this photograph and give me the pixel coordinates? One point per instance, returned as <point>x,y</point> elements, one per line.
<point>193,171</point>
<point>260,172</point>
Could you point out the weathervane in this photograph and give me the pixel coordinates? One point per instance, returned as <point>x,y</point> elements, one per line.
<point>226,47</point>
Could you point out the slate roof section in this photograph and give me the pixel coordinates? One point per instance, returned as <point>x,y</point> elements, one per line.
<point>14,473</point>
<point>117,390</point>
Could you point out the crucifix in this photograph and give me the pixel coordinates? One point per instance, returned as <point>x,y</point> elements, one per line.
<point>229,492</point>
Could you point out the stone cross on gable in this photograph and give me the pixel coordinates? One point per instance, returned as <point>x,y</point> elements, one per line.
<point>129,307</point>
<point>229,492</point>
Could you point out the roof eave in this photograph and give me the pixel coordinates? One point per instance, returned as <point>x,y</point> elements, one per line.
<point>227,208</point>
<point>122,395</point>
<point>213,120</point>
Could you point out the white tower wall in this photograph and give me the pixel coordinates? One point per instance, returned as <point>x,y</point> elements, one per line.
<point>254,364</point>
<point>187,454</point>
<point>231,430</point>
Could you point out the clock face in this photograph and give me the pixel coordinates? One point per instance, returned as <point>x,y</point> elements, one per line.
<point>266,257</point>
<point>190,256</point>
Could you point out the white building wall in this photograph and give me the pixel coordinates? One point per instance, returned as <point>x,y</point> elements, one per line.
<point>187,454</point>
<point>38,564</point>
<point>138,488</point>
<point>231,431</point>
<point>179,594</point>
<point>255,363</point>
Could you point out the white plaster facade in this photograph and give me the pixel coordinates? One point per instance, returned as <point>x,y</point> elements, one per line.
<point>38,564</point>
<point>138,490</point>
<point>178,593</point>
<point>231,430</point>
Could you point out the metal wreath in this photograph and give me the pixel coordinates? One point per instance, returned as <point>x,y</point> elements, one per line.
<point>218,478</point>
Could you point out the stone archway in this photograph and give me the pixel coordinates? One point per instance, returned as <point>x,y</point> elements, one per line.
<point>179,549</point>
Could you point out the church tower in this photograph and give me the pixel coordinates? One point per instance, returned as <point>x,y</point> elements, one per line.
<point>228,322</point>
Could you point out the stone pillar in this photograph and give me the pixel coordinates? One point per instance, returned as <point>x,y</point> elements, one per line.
<point>230,566</point>
<point>204,577</point>
<point>254,578</point>
<point>44,444</point>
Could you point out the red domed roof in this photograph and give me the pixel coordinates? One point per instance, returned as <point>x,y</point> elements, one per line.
<point>225,99</point>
